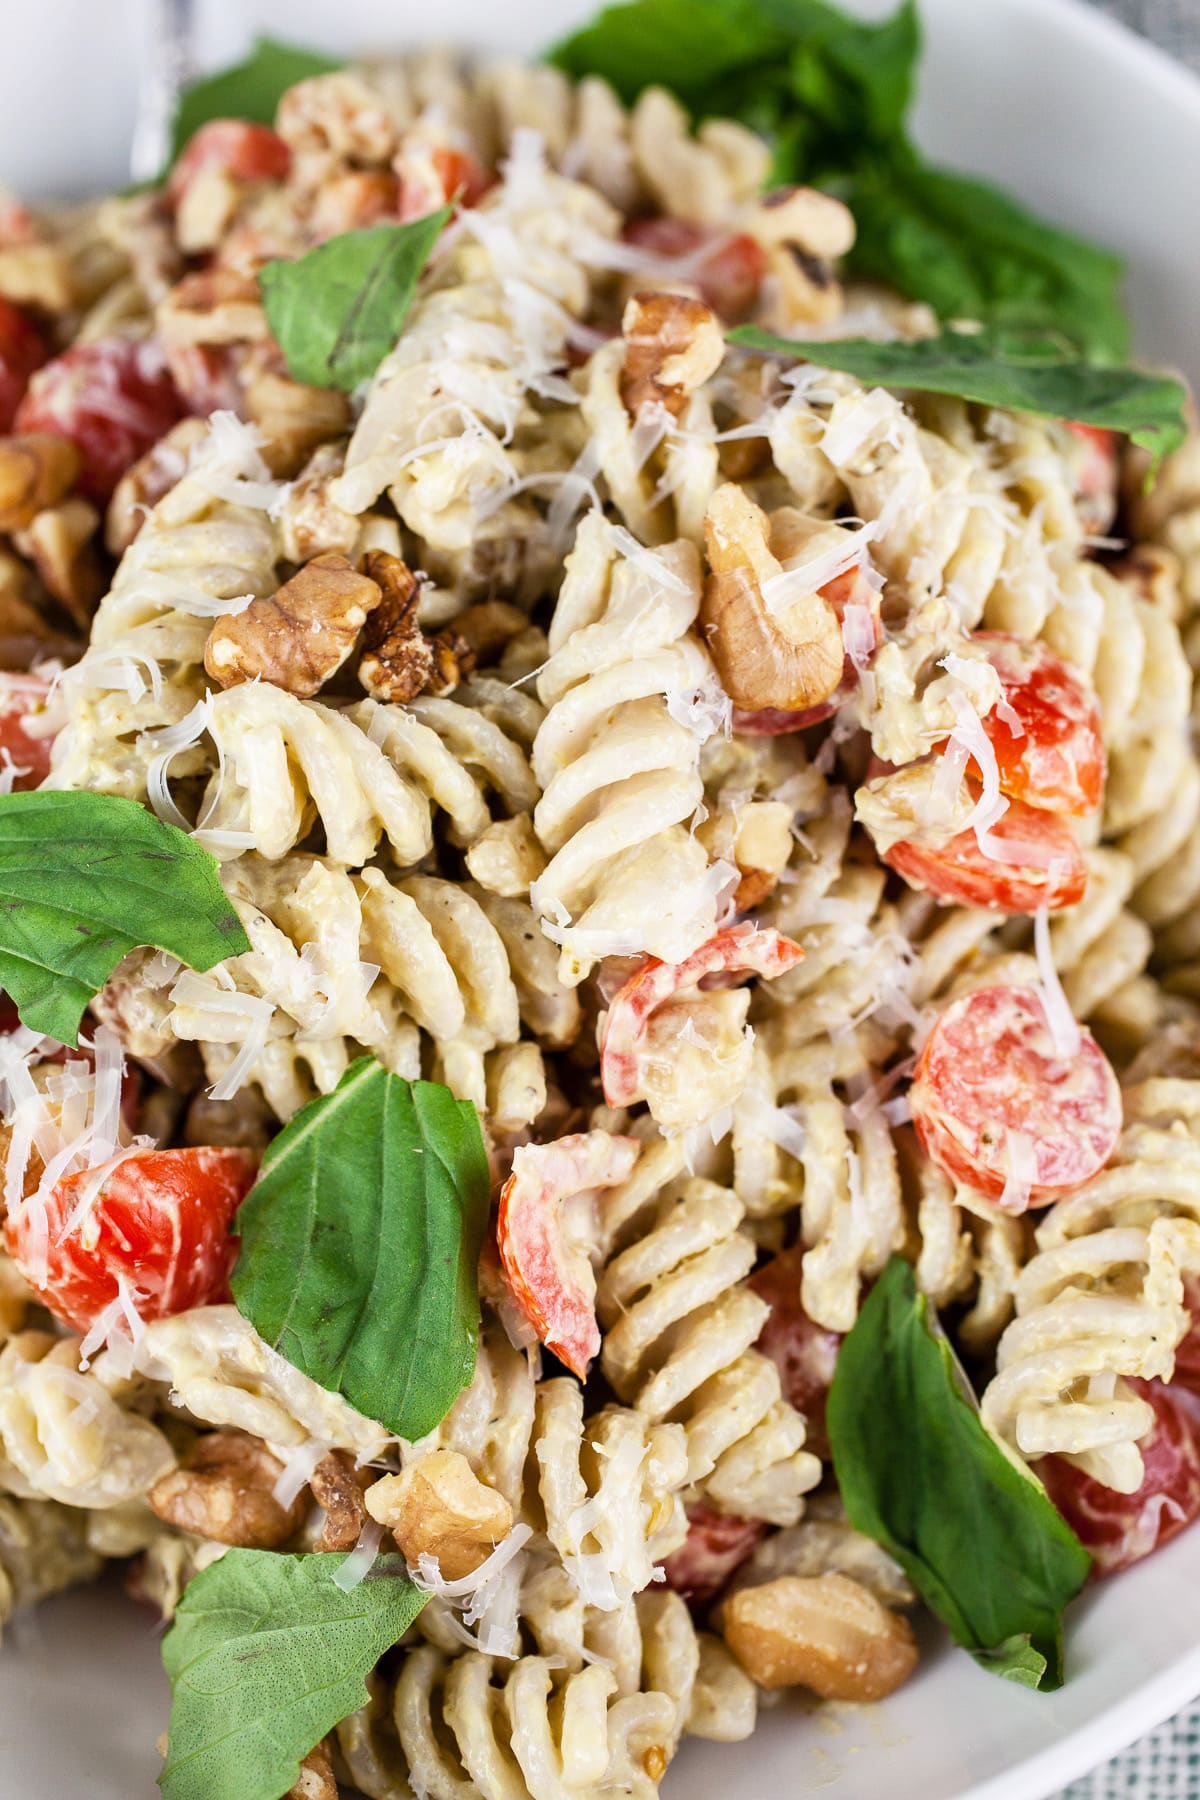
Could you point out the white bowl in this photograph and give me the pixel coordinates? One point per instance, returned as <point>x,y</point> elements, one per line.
<point>1102,134</point>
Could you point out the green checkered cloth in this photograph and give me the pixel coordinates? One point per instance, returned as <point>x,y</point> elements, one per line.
<point>1165,1765</point>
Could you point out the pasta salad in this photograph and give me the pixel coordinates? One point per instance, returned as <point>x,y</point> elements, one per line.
<point>600,854</point>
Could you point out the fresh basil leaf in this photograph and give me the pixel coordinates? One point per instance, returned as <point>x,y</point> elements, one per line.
<point>84,879</point>
<point>1025,372</point>
<point>265,1655</point>
<point>249,90</point>
<point>973,252</point>
<point>917,1472</point>
<point>337,312</point>
<point>360,1245</point>
<point>688,46</point>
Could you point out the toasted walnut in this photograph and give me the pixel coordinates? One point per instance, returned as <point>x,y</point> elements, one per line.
<point>757,838</point>
<point>507,857</point>
<point>243,1122</point>
<point>298,637</point>
<point>791,661</point>
<point>294,419</point>
<point>144,483</point>
<point>399,661</point>
<point>36,471</point>
<point>672,345</point>
<point>438,1507</point>
<point>824,1632</point>
<point>212,306</point>
<point>337,1489</point>
<point>805,218</point>
<point>223,1490</point>
<point>205,210</point>
<point>315,1781</point>
<point>60,542</point>
<point>340,116</point>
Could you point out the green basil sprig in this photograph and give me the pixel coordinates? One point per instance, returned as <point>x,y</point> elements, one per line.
<point>831,94</point>
<point>251,89</point>
<point>337,312</point>
<point>84,879</point>
<point>267,1654</point>
<point>360,1245</point>
<point>1021,371</point>
<point>917,1472</point>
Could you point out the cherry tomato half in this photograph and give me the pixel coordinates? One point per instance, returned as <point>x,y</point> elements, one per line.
<point>1119,1529</point>
<point>740,949</point>
<point>548,1271</point>
<point>238,148</point>
<point>28,726</point>
<point>1047,867</point>
<point>716,1545</point>
<point>112,398</point>
<point>1046,732</point>
<point>997,1105</point>
<point>804,1353</point>
<point>21,352</point>
<point>728,271</point>
<point>161,1219</point>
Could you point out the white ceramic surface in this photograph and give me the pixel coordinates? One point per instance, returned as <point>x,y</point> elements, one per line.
<point>1104,135</point>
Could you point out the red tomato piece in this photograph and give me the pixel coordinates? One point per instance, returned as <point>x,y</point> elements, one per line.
<point>161,1220</point>
<point>112,398</point>
<point>21,352</point>
<point>546,1264</point>
<point>804,1353</point>
<point>741,949</point>
<point>28,727</point>
<point>1119,1529</point>
<point>994,1102</point>
<point>1097,474</point>
<point>238,148</point>
<point>1052,757</point>
<point>1047,867</point>
<point>440,177</point>
<point>728,269</point>
<point>716,1545</point>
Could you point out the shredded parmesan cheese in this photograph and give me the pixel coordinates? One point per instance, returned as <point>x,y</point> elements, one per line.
<point>1060,1020</point>
<point>361,1560</point>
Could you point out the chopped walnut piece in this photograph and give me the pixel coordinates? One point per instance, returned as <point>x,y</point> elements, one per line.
<point>672,345</point>
<point>315,1780</point>
<point>824,1632</point>
<point>60,544</point>
<point>336,1488</point>
<point>37,275</point>
<point>205,210</point>
<point>298,637</point>
<point>27,635</point>
<point>223,1489</point>
<point>212,306</point>
<point>294,419</point>
<point>803,232</point>
<point>438,1507</point>
<point>36,471</point>
<point>143,484</point>
<point>399,661</point>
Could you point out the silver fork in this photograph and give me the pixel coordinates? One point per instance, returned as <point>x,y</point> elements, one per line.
<point>170,38</point>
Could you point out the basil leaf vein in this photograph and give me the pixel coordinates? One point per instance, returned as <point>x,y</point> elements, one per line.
<point>337,312</point>
<point>266,1654</point>
<point>360,1245</point>
<point>976,1536</point>
<point>84,879</point>
<point>1026,372</point>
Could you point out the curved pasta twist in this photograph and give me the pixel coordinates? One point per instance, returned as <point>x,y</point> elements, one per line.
<point>598,1701</point>
<point>344,963</point>
<point>207,545</point>
<point>363,773</point>
<point>1102,1301</point>
<point>218,1369</point>
<point>679,1327</point>
<point>619,772</point>
<point>488,331</point>
<point>601,1493</point>
<point>43,1549</point>
<point>64,1436</point>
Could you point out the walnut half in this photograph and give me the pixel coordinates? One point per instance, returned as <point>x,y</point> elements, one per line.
<point>824,1632</point>
<point>438,1507</point>
<point>224,1490</point>
<point>399,661</point>
<point>299,637</point>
